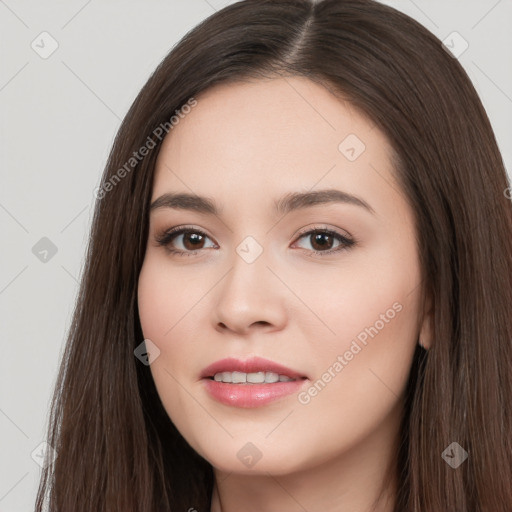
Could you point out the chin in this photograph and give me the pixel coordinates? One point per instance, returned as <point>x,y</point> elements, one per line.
<point>248,459</point>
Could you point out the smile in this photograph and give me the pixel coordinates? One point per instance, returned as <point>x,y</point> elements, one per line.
<point>251,378</point>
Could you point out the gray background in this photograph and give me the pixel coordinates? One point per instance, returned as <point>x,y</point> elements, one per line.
<point>58,118</point>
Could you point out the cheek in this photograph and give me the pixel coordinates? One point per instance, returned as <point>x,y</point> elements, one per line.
<point>164,297</point>
<point>151,303</point>
<point>373,298</point>
<point>374,314</point>
<point>167,302</point>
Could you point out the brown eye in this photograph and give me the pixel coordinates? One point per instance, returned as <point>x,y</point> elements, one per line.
<point>187,240</point>
<point>322,241</point>
<point>192,241</point>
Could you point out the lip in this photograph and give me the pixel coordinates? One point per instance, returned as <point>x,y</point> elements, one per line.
<point>254,364</point>
<point>250,395</point>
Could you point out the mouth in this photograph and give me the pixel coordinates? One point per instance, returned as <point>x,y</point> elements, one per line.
<point>255,370</point>
<point>251,378</point>
<point>252,383</point>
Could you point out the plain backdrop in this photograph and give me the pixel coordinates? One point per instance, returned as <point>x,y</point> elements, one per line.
<point>59,113</point>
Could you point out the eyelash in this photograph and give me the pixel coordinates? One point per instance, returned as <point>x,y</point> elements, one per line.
<point>167,236</point>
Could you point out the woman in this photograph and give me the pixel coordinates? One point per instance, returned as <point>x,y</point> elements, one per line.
<point>303,236</point>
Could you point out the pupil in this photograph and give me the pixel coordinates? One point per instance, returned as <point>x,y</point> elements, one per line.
<point>320,239</point>
<point>194,238</point>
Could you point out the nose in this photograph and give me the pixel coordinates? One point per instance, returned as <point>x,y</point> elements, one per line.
<point>250,297</point>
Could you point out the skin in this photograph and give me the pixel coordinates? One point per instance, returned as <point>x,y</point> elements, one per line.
<point>244,145</point>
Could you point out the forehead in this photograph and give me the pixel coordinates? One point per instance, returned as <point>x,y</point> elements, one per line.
<point>257,137</point>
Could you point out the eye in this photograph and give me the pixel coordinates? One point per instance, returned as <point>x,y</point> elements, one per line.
<point>190,239</point>
<point>322,241</point>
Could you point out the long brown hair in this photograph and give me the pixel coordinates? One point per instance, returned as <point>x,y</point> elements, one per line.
<point>117,448</point>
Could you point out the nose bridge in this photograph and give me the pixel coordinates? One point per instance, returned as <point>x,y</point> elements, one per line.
<point>248,271</point>
<point>250,292</point>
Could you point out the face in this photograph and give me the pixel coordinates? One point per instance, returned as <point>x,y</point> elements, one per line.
<point>327,285</point>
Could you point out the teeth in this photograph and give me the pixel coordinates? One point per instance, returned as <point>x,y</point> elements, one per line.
<point>238,377</point>
<point>255,378</point>
<point>250,378</point>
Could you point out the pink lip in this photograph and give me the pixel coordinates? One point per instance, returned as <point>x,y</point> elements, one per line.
<point>254,364</point>
<point>250,395</point>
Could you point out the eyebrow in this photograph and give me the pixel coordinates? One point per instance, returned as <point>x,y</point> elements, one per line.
<point>289,202</point>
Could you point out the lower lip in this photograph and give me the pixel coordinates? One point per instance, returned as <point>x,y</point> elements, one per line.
<point>251,395</point>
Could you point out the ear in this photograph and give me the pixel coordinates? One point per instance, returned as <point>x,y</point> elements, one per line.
<point>427,323</point>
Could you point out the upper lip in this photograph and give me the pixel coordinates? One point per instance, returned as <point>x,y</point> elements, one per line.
<point>252,365</point>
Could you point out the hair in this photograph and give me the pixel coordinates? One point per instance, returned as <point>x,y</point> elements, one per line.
<point>117,447</point>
